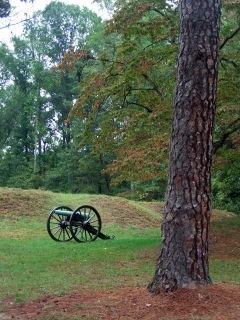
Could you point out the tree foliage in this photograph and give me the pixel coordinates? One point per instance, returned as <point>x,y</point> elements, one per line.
<point>129,87</point>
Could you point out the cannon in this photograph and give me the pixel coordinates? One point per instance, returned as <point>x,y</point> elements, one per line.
<point>82,224</point>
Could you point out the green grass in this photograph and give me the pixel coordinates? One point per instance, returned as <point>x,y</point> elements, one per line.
<point>222,271</point>
<point>227,226</point>
<point>38,266</point>
<point>33,265</point>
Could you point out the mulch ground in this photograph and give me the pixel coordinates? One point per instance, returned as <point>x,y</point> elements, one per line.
<point>219,301</point>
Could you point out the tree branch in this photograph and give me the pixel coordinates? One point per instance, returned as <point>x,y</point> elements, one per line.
<point>232,63</point>
<point>142,89</point>
<point>154,85</point>
<point>158,11</point>
<point>231,128</point>
<point>140,105</point>
<point>14,24</point>
<point>228,38</point>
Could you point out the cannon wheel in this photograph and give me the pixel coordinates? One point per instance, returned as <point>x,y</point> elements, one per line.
<point>85,224</point>
<point>58,225</point>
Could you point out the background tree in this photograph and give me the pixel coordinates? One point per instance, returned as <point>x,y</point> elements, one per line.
<point>183,261</point>
<point>129,86</point>
<point>226,188</point>
<point>37,146</point>
<point>5,8</point>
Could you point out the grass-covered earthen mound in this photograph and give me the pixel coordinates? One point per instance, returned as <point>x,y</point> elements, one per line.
<point>113,210</point>
<point>37,204</point>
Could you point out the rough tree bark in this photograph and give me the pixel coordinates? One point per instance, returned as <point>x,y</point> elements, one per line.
<point>183,260</point>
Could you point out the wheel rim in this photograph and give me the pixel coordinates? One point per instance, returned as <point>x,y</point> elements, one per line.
<point>85,224</point>
<point>58,225</point>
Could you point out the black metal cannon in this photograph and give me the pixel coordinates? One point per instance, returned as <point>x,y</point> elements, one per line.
<point>82,224</point>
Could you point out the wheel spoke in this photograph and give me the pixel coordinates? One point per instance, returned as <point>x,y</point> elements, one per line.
<point>91,217</point>
<point>56,217</point>
<point>56,223</point>
<point>58,226</point>
<point>90,234</point>
<point>94,221</point>
<point>61,230</point>
<point>67,232</point>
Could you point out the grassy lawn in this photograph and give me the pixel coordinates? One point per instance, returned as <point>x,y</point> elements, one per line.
<point>33,265</point>
<point>39,266</point>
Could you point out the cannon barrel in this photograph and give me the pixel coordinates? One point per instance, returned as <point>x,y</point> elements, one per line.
<point>63,213</point>
<point>84,215</point>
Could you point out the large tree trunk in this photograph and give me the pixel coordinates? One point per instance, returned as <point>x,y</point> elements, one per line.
<point>183,260</point>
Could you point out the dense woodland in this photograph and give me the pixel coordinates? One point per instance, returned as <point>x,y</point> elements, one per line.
<point>86,104</point>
